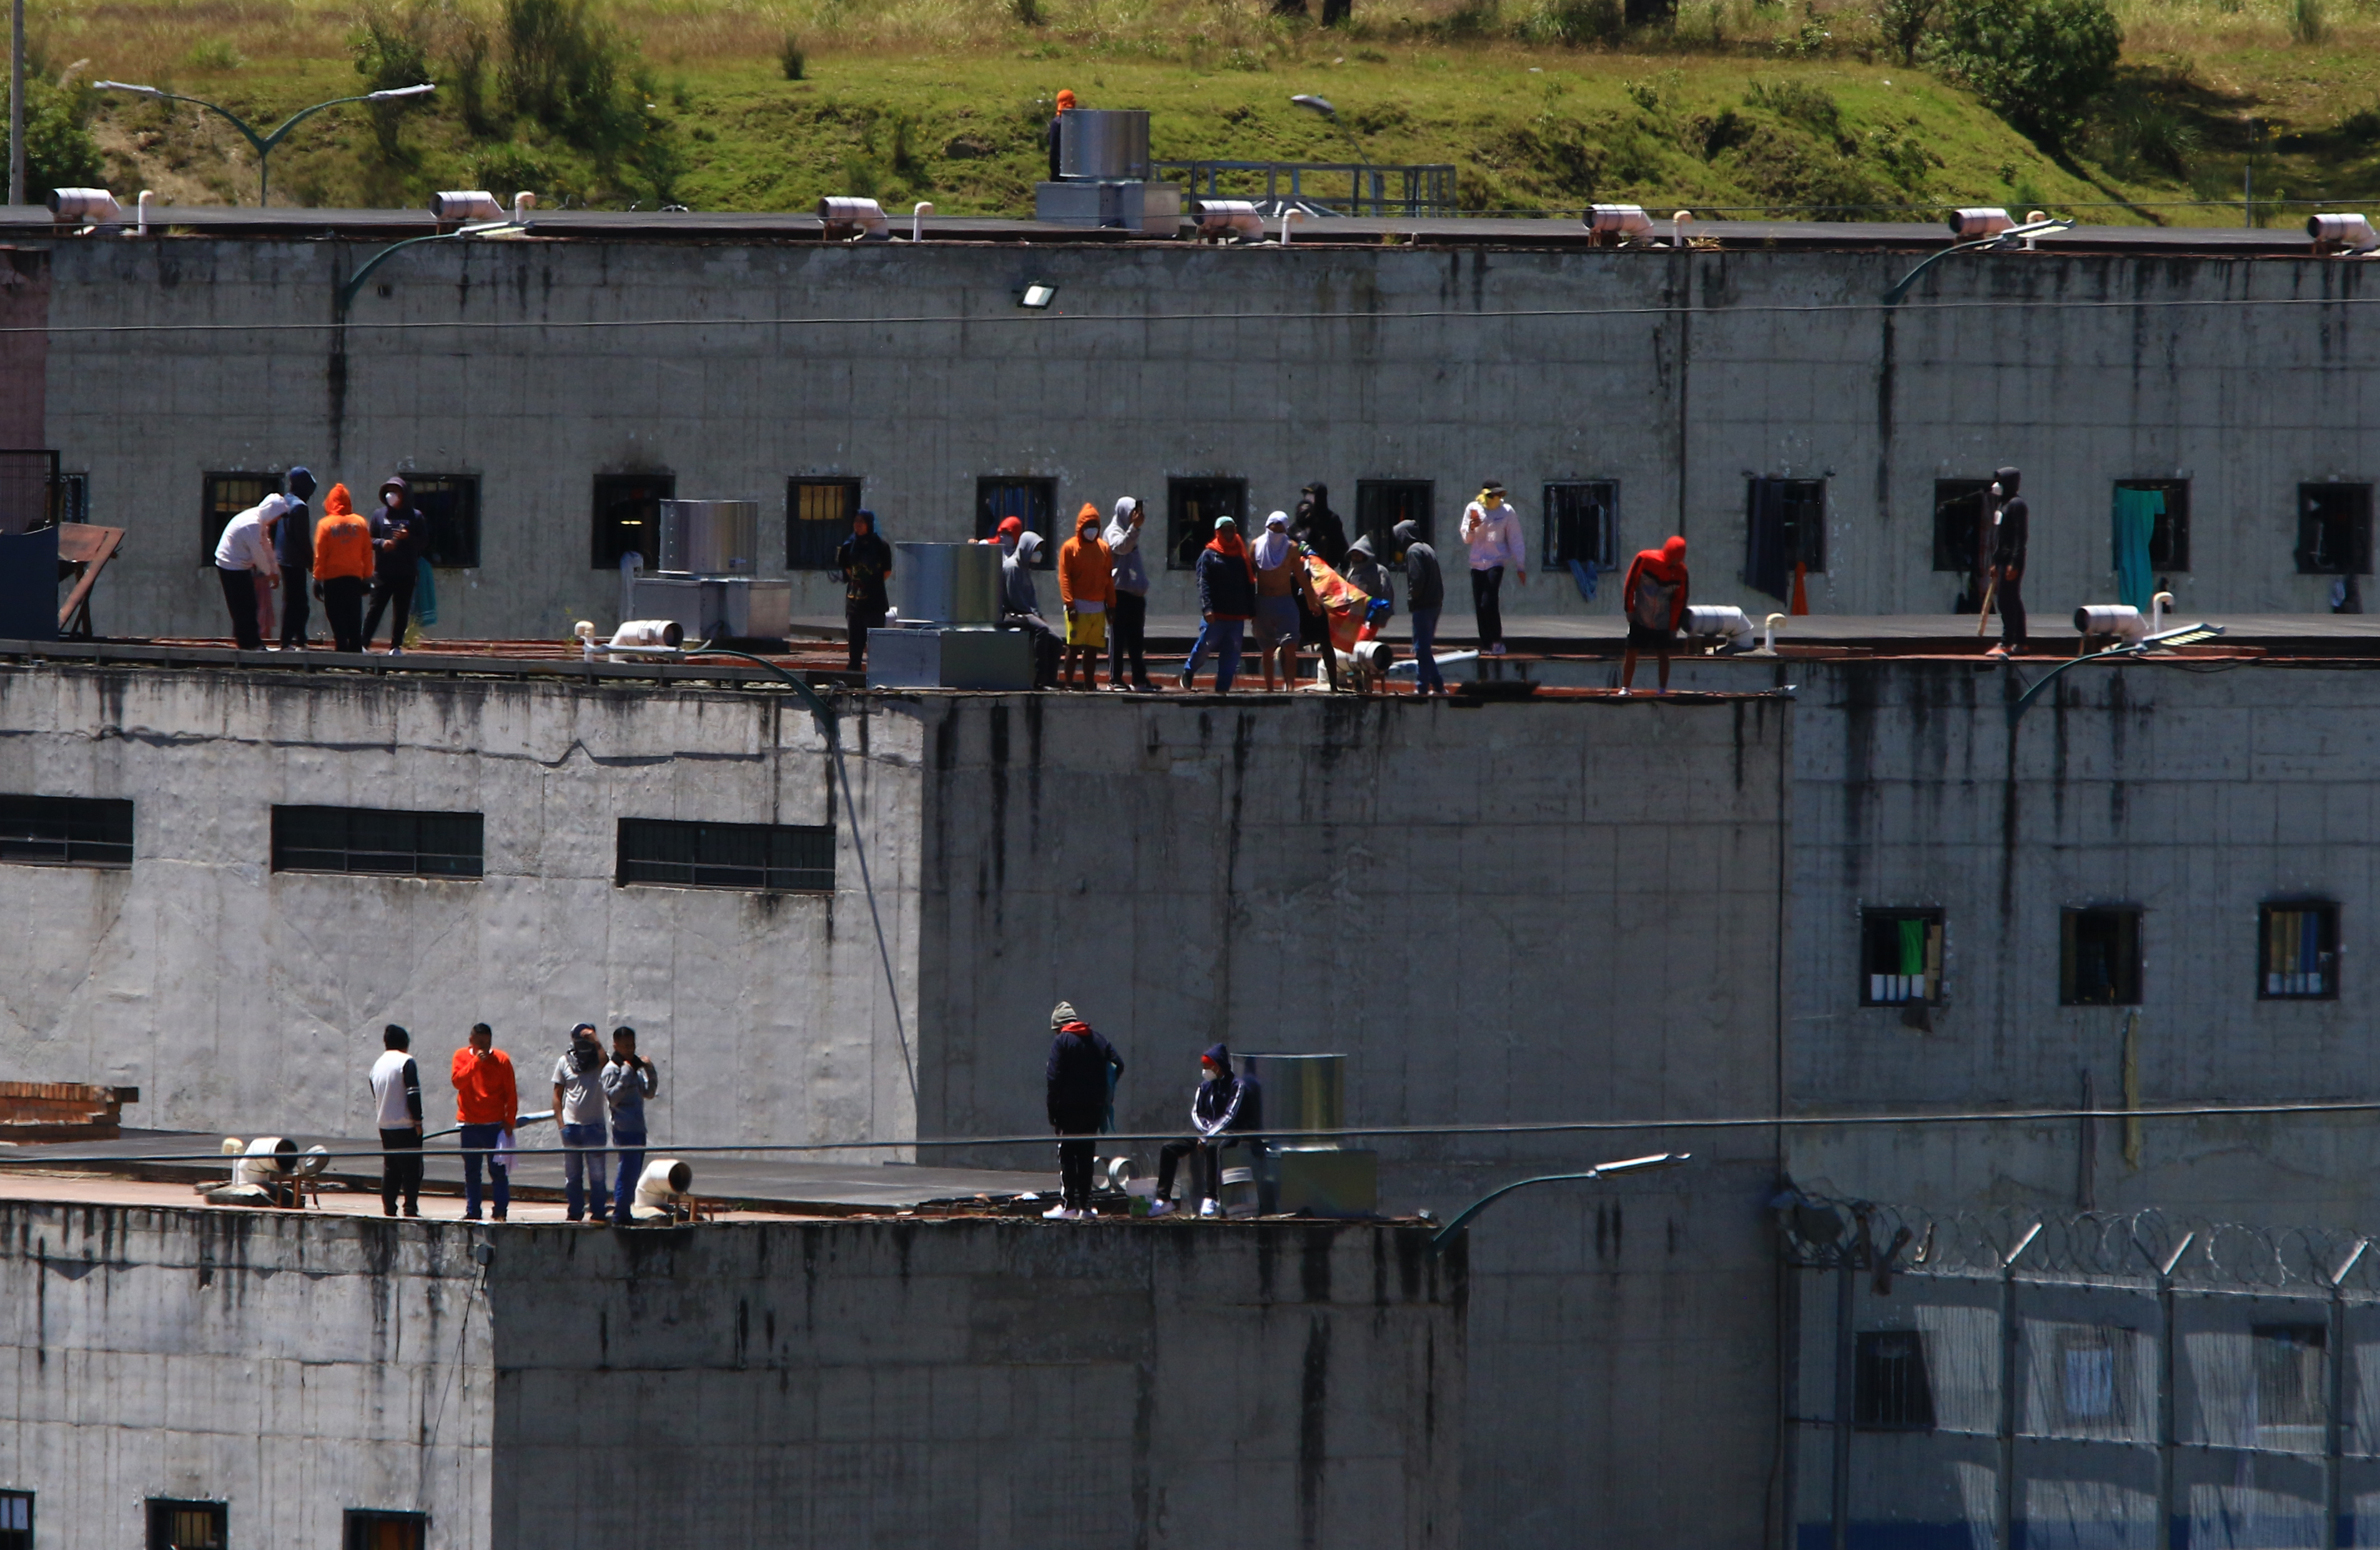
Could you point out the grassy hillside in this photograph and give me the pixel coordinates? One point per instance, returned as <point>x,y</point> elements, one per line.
<point>1742,106</point>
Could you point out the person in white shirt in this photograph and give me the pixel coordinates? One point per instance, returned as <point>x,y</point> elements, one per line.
<point>244,564</point>
<point>396,1107</point>
<point>580,1109</point>
<point>1492,530</point>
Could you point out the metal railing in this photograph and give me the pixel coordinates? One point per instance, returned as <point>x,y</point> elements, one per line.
<point>1423,188</point>
<point>2001,1379</point>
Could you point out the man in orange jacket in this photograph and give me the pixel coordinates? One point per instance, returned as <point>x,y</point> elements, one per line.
<point>1087,584</point>
<point>487,1105</point>
<point>343,567</point>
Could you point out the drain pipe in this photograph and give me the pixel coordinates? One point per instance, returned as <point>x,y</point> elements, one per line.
<point>917,220</point>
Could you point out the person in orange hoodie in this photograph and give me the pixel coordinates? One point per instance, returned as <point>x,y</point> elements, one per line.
<point>1087,586</point>
<point>343,567</point>
<point>487,1105</point>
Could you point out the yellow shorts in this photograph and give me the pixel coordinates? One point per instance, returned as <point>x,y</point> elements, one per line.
<point>1087,629</point>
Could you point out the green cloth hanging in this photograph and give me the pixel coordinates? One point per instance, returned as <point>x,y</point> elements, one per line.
<point>1913,948</point>
<point>2135,520</point>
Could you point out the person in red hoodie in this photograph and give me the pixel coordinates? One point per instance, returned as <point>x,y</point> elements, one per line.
<point>487,1105</point>
<point>1654,597</point>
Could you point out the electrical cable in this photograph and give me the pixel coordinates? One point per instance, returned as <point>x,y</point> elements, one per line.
<point>1544,1127</point>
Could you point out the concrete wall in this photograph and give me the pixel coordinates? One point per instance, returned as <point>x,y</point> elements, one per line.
<point>1553,911</point>
<point>236,997</point>
<point>1674,374</point>
<point>291,1367</point>
<point>946,1385</point>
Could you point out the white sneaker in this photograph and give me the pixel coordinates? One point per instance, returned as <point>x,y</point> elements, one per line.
<point>1058,1213</point>
<point>1161,1208</point>
<point>1210,1208</point>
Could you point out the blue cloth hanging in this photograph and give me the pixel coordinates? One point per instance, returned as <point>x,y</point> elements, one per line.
<point>2135,520</point>
<point>1584,572</point>
<point>425,594</point>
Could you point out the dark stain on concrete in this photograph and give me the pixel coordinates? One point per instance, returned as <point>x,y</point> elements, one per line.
<point>1312,1413</point>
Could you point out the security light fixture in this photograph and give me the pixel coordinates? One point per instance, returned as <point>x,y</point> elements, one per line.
<point>1647,1164</point>
<point>265,143</point>
<point>1313,103</point>
<point>1036,295</point>
<point>2163,640</point>
<point>1987,227</point>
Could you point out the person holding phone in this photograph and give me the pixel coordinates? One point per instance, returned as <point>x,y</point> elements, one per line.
<point>628,1080</point>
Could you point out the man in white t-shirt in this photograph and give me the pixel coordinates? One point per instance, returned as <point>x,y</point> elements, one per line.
<point>244,564</point>
<point>396,1108</point>
<point>579,1109</point>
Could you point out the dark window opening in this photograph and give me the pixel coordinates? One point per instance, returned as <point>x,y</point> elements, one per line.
<point>1958,513</point>
<point>753,857</point>
<point>1901,958</point>
<point>450,504</point>
<point>2299,952</point>
<point>1785,531</point>
<point>16,1520</point>
<point>2099,958</point>
<point>66,831</point>
<point>1380,505</point>
<point>1581,517</point>
<point>818,518</point>
<point>187,1525</point>
<point>74,498</point>
<point>2289,1375</point>
<point>2169,532</point>
<point>1889,1391</point>
<point>2333,529</point>
<point>629,517</point>
<point>224,497</point>
<point>387,1531</point>
<point>379,841</point>
<point>1192,507</point>
<point>1031,501</point>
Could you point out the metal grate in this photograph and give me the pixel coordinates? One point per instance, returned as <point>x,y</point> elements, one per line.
<point>66,831</point>
<point>753,857</point>
<point>377,840</point>
<point>1416,188</point>
<point>29,490</point>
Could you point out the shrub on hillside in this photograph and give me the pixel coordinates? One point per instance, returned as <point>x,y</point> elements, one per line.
<point>391,47</point>
<point>2038,64</point>
<point>568,69</point>
<point>1907,25</point>
<point>60,151</point>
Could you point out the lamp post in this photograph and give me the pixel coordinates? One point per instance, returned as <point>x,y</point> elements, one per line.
<point>1323,106</point>
<point>1445,1235</point>
<point>263,143</point>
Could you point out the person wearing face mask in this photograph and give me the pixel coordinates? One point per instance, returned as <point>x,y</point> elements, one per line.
<point>1022,605</point>
<point>399,536</point>
<point>1127,633</point>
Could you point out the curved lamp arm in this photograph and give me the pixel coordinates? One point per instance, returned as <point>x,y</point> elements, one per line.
<point>1445,1235</point>
<point>2188,634</point>
<point>2030,228</point>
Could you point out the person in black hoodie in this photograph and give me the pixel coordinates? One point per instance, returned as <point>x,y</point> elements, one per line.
<point>865,564</point>
<point>1224,1105</point>
<point>293,545</point>
<point>399,536</point>
<point>1081,1087</point>
<point>2011,528</point>
<point>1425,596</point>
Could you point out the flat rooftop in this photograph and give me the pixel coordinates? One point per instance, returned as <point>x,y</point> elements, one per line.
<point>34,222</point>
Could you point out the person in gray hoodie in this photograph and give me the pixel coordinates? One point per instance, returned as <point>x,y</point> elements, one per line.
<point>1021,605</point>
<point>1131,623</point>
<point>1425,596</point>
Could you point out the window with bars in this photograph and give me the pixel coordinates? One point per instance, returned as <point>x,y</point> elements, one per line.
<point>1033,501</point>
<point>1192,508</point>
<point>387,1531</point>
<point>818,518</point>
<point>752,857</point>
<point>223,497</point>
<point>1380,505</point>
<point>449,503</point>
<point>66,831</point>
<point>16,1520</point>
<point>1581,519</point>
<point>1900,957</point>
<point>379,842</point>
<point>2300,953</point>
<point>2289,1375</point>
<point>629,517</point>
<point>174,1525</point>
<point>1959,511</point>
<point>1891,1392</point>
<point>2099,957</point>
<point>2333,529</point>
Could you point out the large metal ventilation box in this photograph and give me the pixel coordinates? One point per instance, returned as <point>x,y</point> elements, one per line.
<point>709,550</point>
<point>1103,175</point>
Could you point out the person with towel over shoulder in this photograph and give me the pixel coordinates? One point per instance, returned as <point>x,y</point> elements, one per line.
<point>1654,597</point>
<point>1280,577</point>
<point>1079,1080</point>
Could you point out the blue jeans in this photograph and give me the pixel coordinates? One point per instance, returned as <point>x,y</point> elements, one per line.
<point>630,1145</point>
<point>1425,629</point>
<point>582,1164</point>
<point>476,1142</point>
<point>1221,636</point>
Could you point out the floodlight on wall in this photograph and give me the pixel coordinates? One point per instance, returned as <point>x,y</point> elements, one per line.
<point>2342,234</point>
<point>851,219</point>
<point>1037,295</point>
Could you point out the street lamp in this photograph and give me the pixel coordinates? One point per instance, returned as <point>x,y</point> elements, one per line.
<point>1445,1235</point>
<point>265,143</point>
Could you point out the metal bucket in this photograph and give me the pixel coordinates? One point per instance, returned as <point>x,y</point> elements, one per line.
<point>1302,1093</point>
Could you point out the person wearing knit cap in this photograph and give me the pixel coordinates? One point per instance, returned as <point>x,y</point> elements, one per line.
<point>1223,1105</point>
<point>1080,1088</point>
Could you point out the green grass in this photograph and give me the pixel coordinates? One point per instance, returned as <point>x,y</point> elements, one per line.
<point>1746,106</point>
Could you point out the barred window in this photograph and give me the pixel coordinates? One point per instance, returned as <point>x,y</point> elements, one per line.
<point>754,857</point>
<point>2099,957</point>
<point>1890,1390</point>
<point>16,1520</point>
<point>819,513</point>
<point>187,1525</point>
<point>2300,945</point>
<point>377,840</point>
<point>66,831</point>
<point>387,1531</point>
<point>1900,957</point>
